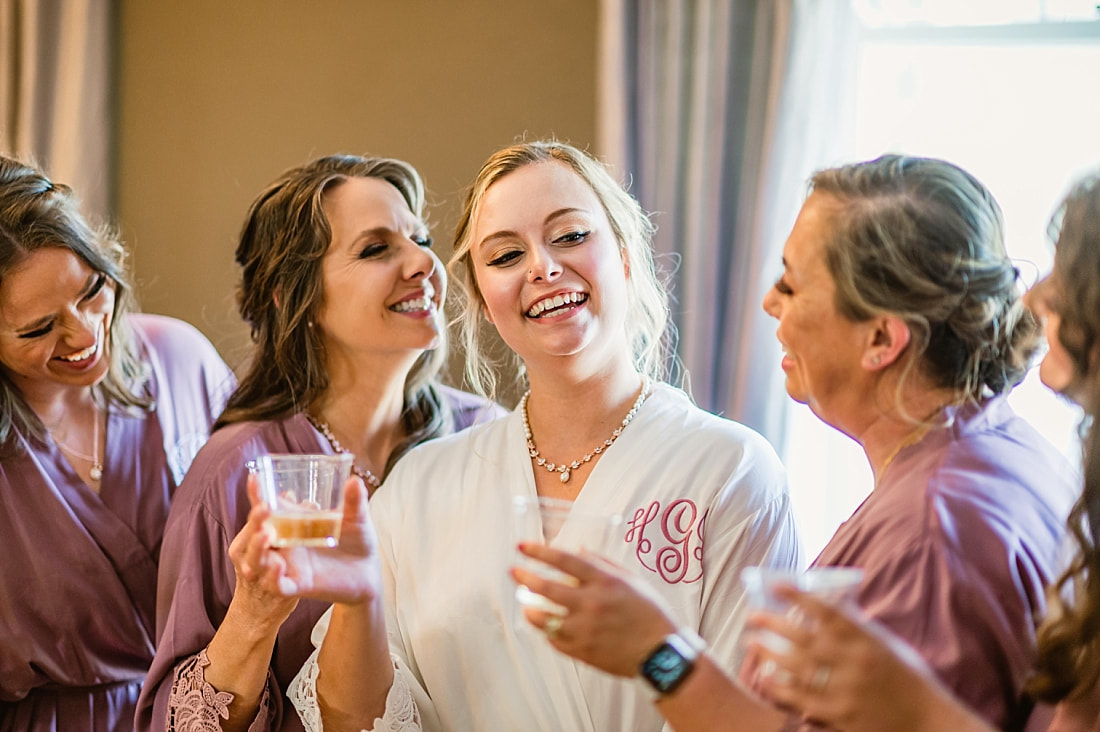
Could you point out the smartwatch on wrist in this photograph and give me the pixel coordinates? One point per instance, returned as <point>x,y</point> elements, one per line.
<point>670,663</point>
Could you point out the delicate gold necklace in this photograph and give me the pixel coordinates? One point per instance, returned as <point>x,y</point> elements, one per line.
<point>368,477</point>
<point>566,469</point>
<point>96,471</point>
<point>910,439</point>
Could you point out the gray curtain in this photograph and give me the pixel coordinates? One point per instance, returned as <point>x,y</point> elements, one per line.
<point>55,61</point>
<point>717,111</point>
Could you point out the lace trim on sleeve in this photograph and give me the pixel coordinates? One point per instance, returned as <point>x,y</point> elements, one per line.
<point>302,693</point>
<point>196,706</point>
<point>401,713</point>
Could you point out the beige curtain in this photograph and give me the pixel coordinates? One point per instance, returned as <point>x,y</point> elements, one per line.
<point>55,109</point>
<point>717,111</point>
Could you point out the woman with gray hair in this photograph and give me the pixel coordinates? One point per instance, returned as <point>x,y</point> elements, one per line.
<point>344,298</point>
<point>101,411</point>
<point>902,326</point>
<point>555,254</point>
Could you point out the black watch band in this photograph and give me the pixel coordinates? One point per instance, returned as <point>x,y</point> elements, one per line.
<point>671,662</point>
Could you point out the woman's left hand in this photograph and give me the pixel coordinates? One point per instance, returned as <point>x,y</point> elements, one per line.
<point>612,620</point>
<point>845,670</point>
<point>257,596</point>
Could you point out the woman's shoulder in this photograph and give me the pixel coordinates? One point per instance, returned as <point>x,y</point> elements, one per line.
<point>442,475</point>
<point>469,409</point>
<point>966,493</point>
<point>681,422</point>
<point>996,462</point>
<point>481,436</point>
<point>176,345</point>
<point>231,447</point>
<point>164,332</point>
<point>992,432</point>
<point>215,482</point>
<point>443,456</point>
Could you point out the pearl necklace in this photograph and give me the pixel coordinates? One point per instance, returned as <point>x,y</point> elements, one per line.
<point>566,469</point>
<point>96,471</point>
<point>368,477</point>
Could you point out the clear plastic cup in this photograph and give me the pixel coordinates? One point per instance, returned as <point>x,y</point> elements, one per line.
<point>835,585</point>
<point>559,524</point>
<point>306,496</point>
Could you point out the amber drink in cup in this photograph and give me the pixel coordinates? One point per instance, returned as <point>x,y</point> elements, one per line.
<point>306,496</point>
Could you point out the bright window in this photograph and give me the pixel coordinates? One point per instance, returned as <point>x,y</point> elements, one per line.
<point>1007,89</point>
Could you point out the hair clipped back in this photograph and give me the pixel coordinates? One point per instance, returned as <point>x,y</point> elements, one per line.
<point>924,240</point>
<point>37,213</point>
<point>647,322</point>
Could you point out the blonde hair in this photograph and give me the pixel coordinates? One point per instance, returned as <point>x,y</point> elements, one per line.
<point>648,324</point>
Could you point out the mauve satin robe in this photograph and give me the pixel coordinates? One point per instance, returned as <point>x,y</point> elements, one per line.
<point>79,570</point>
<point>958,542</point>
<point>197,577</point>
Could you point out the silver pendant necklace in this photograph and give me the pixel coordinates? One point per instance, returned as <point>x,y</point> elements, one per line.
<point>566,469</point>
<point>96,471</point>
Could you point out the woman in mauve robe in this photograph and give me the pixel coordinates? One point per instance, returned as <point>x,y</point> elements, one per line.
<point>902,693</point>
<point>345,315</point>
<point>82,537</point>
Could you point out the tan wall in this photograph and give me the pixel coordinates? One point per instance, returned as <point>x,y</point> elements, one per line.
<point>217,97</point>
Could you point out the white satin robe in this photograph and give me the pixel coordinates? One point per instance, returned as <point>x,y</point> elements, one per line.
<point>701,497</point>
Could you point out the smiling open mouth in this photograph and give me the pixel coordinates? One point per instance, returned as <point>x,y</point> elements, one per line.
<point>91,350</point>
<point>417,305</point>
<point>556,304</point>
<point>81,355</point>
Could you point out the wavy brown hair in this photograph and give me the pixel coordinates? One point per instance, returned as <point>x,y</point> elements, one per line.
<point>284,238</point>
<point>37,213</point>
<point>924,240</point>
<point>1068,665</point>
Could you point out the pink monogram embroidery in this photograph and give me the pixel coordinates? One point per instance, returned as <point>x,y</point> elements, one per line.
<point>680,535</point>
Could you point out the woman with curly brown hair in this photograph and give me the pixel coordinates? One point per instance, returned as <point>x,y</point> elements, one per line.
<point>1069,641</point>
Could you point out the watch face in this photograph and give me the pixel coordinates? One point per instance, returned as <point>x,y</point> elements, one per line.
<point>665,668</point>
